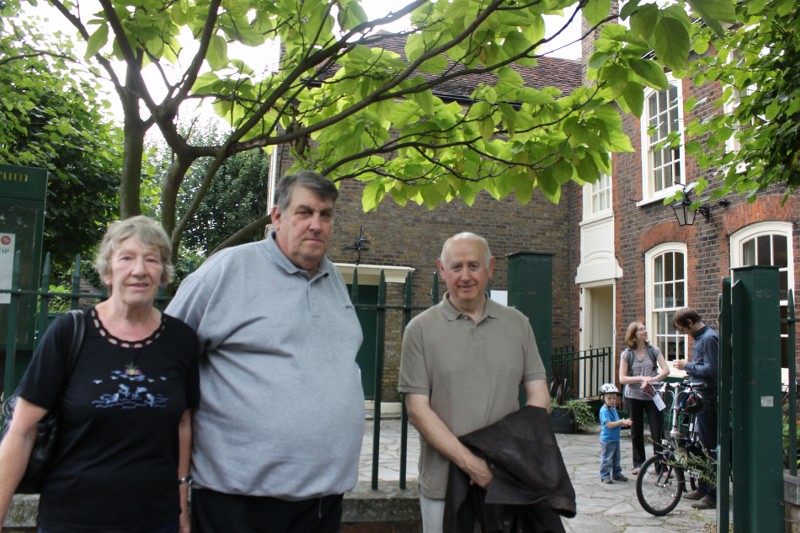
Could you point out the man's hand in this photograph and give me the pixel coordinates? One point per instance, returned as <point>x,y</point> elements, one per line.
<point>478,472</point>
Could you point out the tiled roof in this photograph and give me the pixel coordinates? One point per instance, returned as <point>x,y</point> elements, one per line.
<point>564,74</point>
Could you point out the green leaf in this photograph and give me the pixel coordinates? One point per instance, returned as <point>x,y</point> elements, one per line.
<point>671,42</point>
<point>509,80</point>
<point>549,186</point>
<point>650,72</point>
<point>434,65</point>
<point>97,40</point>
<point>596,10</point>
<point>372,195</point>
<point>425,100</point>
<point>644,20</point>
<point>587,170</point>
<point>633,95</point>
<point>714,11</point>
<point>217,56</point>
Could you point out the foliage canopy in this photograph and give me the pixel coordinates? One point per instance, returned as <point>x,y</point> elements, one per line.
<point>353,109</point>
<point>51,120</point>
<point>754,140</point>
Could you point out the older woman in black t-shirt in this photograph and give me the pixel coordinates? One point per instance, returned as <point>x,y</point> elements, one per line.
<point>122,463</point>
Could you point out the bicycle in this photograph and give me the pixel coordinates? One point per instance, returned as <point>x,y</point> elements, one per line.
<point>662,478</point>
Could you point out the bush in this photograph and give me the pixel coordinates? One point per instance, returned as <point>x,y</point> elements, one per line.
<point>584,416</point>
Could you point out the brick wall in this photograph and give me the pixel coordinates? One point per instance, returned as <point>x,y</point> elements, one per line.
<point>640,228</point>
<point>412,236</point>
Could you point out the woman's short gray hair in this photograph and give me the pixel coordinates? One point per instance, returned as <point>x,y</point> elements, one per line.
<point>146,231</point>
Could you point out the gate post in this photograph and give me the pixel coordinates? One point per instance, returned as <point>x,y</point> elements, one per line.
<point>756,403</point>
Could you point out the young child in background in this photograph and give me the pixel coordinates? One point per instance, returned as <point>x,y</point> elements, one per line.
<point>610,424</point>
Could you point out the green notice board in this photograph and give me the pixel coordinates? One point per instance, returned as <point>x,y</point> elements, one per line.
<point>22,207</point>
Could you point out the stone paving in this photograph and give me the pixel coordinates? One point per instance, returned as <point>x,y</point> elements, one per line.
<point>601,508</point>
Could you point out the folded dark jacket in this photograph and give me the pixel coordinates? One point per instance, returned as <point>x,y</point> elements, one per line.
<point>530,488</point>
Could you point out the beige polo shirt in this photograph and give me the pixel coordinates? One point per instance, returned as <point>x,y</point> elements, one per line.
<point>470,371</point>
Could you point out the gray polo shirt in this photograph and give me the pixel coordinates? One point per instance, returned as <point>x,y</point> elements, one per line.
<point>281,411</point>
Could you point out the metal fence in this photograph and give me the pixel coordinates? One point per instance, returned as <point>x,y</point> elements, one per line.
<point>579,373</point>
<point>573,365</point>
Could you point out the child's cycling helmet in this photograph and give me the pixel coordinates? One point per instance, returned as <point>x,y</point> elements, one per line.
<point>608,388</point>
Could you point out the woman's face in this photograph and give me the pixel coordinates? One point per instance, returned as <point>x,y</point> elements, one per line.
<point>641,333</point>
<point>135,273</point>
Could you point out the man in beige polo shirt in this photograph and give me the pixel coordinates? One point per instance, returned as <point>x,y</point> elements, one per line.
<point>463,361</point>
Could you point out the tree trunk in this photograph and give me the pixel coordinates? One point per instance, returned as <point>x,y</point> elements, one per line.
<point>133,151</point>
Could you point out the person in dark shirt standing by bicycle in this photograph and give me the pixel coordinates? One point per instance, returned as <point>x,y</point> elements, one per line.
<point>703,368</point>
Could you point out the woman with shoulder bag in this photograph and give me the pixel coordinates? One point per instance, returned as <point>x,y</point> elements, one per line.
<point>640,365</point>
<point>124,412</point>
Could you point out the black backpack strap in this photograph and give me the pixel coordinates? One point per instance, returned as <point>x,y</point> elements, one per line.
<point>651,351</point>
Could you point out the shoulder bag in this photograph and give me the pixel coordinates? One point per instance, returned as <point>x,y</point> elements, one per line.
<point>44,450</point>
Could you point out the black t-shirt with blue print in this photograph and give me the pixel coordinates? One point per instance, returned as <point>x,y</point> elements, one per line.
<point>117,461</point>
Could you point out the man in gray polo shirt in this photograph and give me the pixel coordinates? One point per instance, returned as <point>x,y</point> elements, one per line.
<point>462,363</point>
<point>277,433</point>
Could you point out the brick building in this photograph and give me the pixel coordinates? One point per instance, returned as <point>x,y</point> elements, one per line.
<point>634,262</point>
<point>619,254</point>
<point>409,239</point>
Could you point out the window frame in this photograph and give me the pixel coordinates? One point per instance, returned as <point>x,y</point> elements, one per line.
<point>771,229</point>
<point>651,312</point>
<point>591,191</point>
<point>648,156</point>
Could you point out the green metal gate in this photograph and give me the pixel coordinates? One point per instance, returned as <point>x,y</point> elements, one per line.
<point>750,401</point>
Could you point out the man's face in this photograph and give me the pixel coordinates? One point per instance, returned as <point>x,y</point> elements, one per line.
<point>303,229</point>
<point>465,273</point>
<point>686,330</point>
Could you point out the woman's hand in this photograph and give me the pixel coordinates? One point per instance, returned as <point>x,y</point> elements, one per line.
<point>184,522</point>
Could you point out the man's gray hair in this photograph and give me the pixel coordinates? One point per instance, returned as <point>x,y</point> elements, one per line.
<point>321,186</point>
<point>467,236</point>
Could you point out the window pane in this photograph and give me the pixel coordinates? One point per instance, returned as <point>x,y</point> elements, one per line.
<point>749,253</point>
<point>764,250</point>
<point>673,95</point>
<point>652,108</point>
<point>669,271</point>
<point>779,257</point>
<point>679,267</point>
<point>658,268</point>
<point>783,276</point>
<point>784,340</point>
<point>680,290</point>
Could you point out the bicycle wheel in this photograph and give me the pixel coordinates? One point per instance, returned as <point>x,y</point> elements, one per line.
<point>659,486</point>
